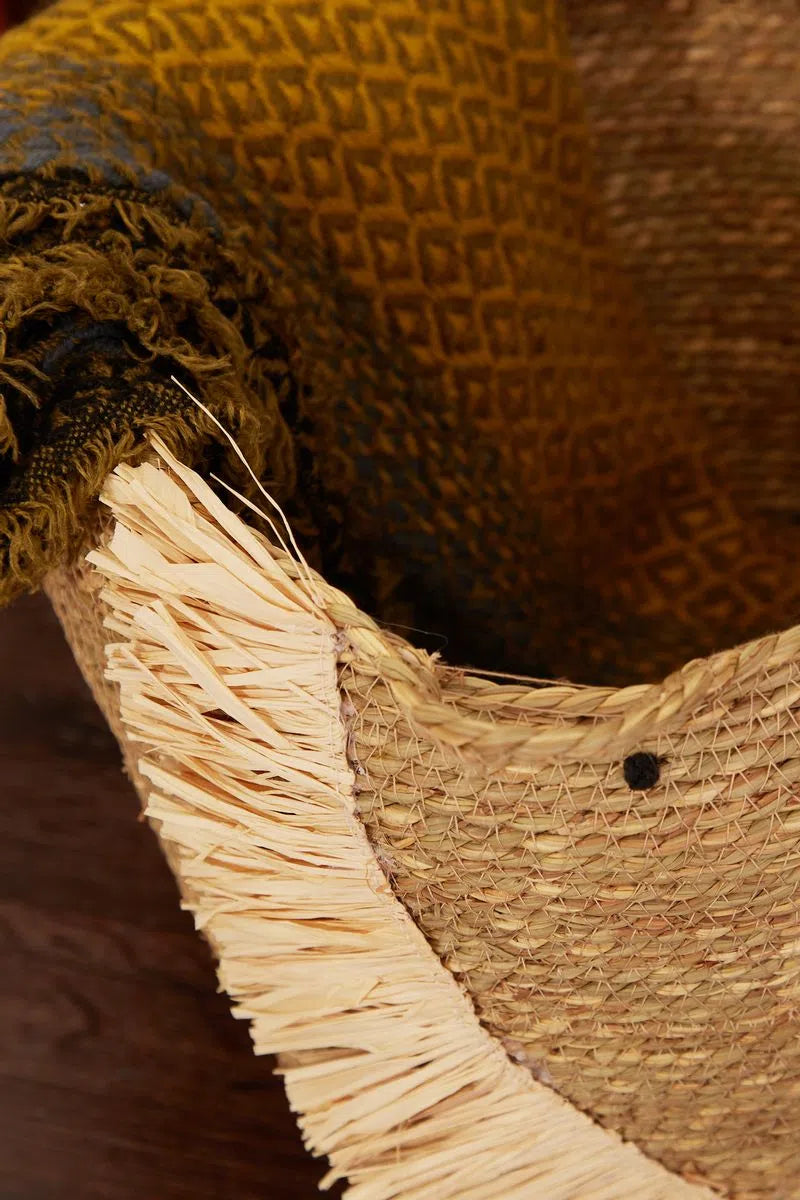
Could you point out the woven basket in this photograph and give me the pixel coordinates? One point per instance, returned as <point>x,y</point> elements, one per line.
<point>610,875</point>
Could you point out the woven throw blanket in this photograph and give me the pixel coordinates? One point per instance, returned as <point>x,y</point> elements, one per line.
<point>369,239</point>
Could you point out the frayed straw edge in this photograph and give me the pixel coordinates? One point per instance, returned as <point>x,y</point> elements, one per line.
<point>227,669</point>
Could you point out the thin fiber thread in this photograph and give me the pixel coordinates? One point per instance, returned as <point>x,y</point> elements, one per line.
<point>226,665</point>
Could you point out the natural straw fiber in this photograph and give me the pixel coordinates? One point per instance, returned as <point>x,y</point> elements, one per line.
<point>225,657</point>
<point>641,951</point>
<point>638,952</point>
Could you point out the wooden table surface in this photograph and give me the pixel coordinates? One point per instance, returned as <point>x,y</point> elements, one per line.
<point>122,1073</point>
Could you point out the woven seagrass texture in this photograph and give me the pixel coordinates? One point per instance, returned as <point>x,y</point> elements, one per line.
<point>388,1069</point>
<point>74,593</point>
<point>639,950</point>
<point>378,227</point>
<point>75,596</point>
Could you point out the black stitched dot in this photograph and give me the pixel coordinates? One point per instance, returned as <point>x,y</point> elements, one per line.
<point>641,770</point>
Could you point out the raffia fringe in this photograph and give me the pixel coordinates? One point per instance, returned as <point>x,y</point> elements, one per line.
<point>226,660</point>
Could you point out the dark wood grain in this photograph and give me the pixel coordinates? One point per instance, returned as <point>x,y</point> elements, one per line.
<point>122,1073</point>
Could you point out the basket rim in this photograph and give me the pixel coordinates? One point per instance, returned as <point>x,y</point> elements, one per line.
<point>517,725</point>
<point>514,725</point>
